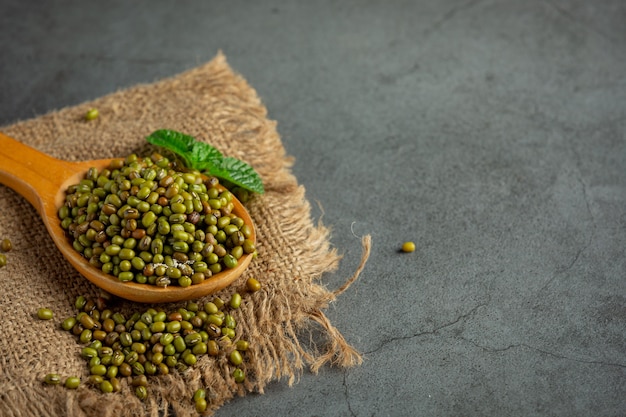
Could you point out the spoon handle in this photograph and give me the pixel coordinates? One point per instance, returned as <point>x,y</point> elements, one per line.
<point>31,173</point>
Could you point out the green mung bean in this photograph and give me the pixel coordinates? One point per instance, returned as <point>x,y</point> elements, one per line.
<point>45,314</point>
<point>235,300</point>
<point>235,357</point>
<point>162,212</point>
<point>68,323</point>
<point>130,348</point>
<point>106,386</point>
<point>52,379</point>
<point>92,114</point>
<point>239,375</point>
<point>6,245</point>
<point>253,285</point>
<point>72,382</point>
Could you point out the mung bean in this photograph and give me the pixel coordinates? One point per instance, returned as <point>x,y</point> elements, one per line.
<point>6,245</point>
<point>45,314</point>
<point>72,382</point>
<point>153,342</point>
<point>239,375</point>
<point>52,379</point>
<point>408,247</point>
<point>253,285</point>
<point>137,212</point>
<point>92,114</point>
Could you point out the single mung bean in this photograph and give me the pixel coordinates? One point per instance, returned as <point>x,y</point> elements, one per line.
<point>230,261</point>
<point>72,382</point>
<point>98,370</point>
<point>52,379</point>
<point>125,369</point>
<point>95,380</point>
<point>179,344</point>
<point>239,375</point>
<point>213,331</point>
<point>169,350</point>
<point>138,368</point>
<point>219,303</point>
<point>140,381</point>
<point>6,245</point>
<point>68,323</point>
<point>235,300</point>
<point>210,308</point>
<point>141,392</point>
<point>192,339</point>
<point>190,359</point>
<point>242,345</point>
<point>3,260</point>
<point>235,357</point>
<point>253,285</point>
<point>115,384</point>
<point>99,334</point>
<point>96,344</point>
<point>408,247</point>
<point>106,386</point>
<point>229,321</point>
<point>87,321</point>
<point>88,352</point>
<point>201,405</point>
<point>199,349</point>
<point>45,314</point>
<point>184,281</point>
<point>92,114</point>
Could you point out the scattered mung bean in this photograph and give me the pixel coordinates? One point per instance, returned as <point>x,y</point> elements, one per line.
<point>72,382</point>
<point>408,247</point>
<point>253,285</point>
<point>6,245</point>
<point>92,114</point>
<point>45,314</point>
<point>201,405</point>
<point>152,342</point>
<point>235,300</point>
<point>239,375</point>
<point>52,379</point>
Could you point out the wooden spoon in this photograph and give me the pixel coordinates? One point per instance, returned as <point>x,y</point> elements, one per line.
<point>42,180</point>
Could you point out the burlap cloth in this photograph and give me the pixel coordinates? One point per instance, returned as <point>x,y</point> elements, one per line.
<point>214,104</point>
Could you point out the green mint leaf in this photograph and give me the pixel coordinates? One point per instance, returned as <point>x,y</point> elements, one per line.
<point>238,173</point>
<point>177,142</point>
<point>204,156</point>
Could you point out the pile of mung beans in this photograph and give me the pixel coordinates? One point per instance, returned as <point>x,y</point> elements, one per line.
<point>153,342</point>
<point>148,221</point>
<point>5,246</point>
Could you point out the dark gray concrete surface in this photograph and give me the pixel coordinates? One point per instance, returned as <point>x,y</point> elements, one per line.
<point>491,133</point>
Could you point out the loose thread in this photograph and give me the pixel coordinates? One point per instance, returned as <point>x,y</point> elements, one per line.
<point>366,242</point>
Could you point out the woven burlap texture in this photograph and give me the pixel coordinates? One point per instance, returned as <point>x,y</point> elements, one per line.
<point>215,105</point>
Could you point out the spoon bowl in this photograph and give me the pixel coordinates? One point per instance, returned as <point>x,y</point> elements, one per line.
<point>43,180</point>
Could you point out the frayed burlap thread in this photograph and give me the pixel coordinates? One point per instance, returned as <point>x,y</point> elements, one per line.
<point>216,105</point>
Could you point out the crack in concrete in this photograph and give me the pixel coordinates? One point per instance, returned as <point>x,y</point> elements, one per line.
<point>449,15</point>
<point>346,392</point>
<point>432,332</point>
<point>544,352</point>
<point>573,19</point>
<point>586,246</point>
